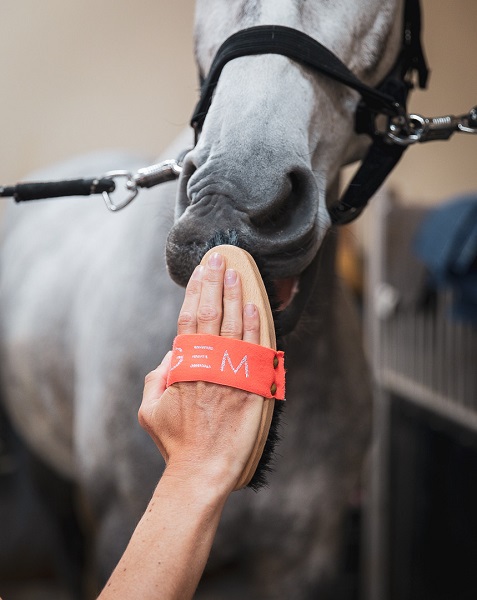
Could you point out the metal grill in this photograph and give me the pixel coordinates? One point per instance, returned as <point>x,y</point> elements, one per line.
<point>419,350</point>
<point>430,359</point>
<point>419,353</point>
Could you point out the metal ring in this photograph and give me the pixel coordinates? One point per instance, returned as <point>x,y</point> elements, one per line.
<point>407,139</point>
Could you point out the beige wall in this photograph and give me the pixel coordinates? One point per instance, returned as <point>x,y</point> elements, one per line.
<point>78,75</point>
<point>436,170</point>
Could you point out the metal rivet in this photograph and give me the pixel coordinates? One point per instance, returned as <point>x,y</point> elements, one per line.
<point>273,389</point>
<point>275,362</point>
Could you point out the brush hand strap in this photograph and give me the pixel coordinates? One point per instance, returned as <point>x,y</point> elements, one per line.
<point>234,363</point>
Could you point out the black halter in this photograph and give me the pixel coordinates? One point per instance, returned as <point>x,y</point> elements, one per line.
<point>388,98</point>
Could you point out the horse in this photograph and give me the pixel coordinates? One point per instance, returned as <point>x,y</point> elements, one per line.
<point>89,300</point>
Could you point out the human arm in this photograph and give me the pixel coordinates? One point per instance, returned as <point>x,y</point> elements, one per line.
<point>206,434</point>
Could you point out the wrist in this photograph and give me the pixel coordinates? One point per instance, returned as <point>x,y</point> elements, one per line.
<point>203,483</point>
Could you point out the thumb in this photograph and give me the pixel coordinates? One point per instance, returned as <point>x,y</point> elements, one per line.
<point>155,382</point>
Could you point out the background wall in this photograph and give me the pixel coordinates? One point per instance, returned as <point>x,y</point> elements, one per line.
<point>82,75</point>
<point>433,171</point>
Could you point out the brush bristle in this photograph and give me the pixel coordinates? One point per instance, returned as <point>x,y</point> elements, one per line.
<point>267,460</point>
<point>265,465</point>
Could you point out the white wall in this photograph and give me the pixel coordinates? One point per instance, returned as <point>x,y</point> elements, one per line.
<point>78,75</point>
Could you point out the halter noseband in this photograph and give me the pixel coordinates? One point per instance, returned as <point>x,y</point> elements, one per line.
<point>388,98</point>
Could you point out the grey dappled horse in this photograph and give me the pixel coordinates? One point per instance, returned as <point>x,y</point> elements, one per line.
<point>88,306</point>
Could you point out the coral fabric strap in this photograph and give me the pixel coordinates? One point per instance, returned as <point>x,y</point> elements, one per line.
<point>235,363</point>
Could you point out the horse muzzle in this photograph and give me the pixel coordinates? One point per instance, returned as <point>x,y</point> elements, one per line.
<point>286,264</point>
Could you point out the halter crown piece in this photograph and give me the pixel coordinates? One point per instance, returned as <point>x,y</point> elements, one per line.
<point>388,98</point>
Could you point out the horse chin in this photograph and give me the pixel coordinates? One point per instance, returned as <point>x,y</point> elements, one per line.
<point>289,295</point>
<point>293,294</point>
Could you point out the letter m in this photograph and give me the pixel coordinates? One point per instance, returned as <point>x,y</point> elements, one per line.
<point>243,362</point>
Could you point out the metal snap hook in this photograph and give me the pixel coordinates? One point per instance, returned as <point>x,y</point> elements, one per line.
<point>468,122</point>
<point>130,186</point>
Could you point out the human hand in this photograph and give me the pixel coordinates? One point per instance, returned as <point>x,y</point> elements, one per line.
<point>204,430</point>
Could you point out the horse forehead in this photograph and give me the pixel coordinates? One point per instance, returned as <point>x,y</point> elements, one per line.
<point>341,25</point>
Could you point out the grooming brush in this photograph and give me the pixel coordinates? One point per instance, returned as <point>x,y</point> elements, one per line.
<point>255,291</point>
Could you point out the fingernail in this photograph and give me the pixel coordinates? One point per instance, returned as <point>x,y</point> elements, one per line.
<point>198,273</point>
<point>230,278</point>
<point>215,261</point>
<point>250,309</point>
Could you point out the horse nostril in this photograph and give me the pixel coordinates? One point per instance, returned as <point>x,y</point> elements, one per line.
<point>284,209</point>
<point>188,169</point>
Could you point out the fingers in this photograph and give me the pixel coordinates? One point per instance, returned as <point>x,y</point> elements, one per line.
<point>213,304</point>
<point>155,382</point>
<point>154,388</point>
<point>187,321</point>
<point>209,311</point>
<point>238,323</point>
<point>251,324</point>
<point>201,310</point>
<point>232,318</point>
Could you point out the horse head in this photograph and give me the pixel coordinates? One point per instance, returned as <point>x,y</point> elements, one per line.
<point>277,134</point>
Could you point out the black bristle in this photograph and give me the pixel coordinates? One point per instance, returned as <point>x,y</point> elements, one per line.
<point>265,464</point>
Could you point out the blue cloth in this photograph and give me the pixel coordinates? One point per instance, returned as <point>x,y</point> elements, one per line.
<point>446,242</point>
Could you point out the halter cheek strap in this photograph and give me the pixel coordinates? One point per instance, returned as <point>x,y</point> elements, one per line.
<point>234,363</point>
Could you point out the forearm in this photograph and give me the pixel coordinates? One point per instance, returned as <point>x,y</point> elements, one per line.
<point>171,544</point>
<point>206,434</point>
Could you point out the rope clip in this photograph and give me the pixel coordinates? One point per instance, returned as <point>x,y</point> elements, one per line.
<point>405,130</point>
<point>147,177</point>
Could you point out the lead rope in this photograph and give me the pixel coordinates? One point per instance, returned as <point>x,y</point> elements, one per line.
<point>147,177</point>
<point>400,131</point>
<point>390,135</point>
